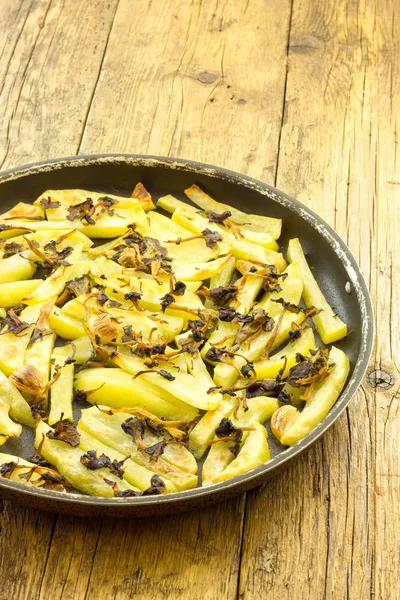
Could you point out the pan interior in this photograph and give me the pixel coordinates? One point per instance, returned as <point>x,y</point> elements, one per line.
<point>119,176</point>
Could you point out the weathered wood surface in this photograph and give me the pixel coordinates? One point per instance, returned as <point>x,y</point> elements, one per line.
<point>304,93</point>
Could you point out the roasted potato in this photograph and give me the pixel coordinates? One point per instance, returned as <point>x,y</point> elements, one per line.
<point>184,332</point>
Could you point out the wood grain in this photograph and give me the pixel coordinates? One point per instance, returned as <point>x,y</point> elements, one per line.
<point>337,511</point>
<point>180,69</point>
<point>52,57</point>
<point>303,93</point>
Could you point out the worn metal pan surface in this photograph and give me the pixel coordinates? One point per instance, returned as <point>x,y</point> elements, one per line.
<point>329,257</point>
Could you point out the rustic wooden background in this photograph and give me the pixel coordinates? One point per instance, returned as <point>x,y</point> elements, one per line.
<point>301,93</point>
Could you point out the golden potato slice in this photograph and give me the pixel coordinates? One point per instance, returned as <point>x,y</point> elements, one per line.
<point>329,326</point>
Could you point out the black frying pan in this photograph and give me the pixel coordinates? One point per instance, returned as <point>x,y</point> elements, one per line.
<point>330,259</point>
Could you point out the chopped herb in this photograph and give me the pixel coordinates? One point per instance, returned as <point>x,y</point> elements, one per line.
<point>293,308</point>
<point>166,301</point>
<point>211,238</point>
<point>134,296</point>
<point>135,427</point>
<point>225,428</point>
<point>114,304</point>
<point>7,469</point>
<point>49,203</point>
<point>166,375</point>
<point>65,432</point>
<point>230,433</point>
<point>221,295</point>
<point>82,211</point>
<point>156,450</point>
<point>90,460</point>
<point>214,217</point>
<point>309,369</point>
<point>295,333</point>
<point>126,494</point>
<point>263,387</point>
<point>52,480</point>
<point>79,285</point>
<point>247,368</point>
<point>227,314</point>
<point>13,323</point>
<point>116,467</point>
<point>215,354</point>
<point>284,397</point>
<point>128,334</point>
<point>271,279</point>
<point>157,486</point>
<point>12,248</point>
<point>179,288</point>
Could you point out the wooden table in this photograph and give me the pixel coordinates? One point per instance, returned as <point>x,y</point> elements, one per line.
<point>304,94</point>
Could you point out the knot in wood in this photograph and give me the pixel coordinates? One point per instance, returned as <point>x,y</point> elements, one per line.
<point>203,75</point>
<point>206,77</point>
<point>380,379</point>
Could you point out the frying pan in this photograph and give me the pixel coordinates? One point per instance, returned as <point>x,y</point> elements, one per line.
<point>329,258</point>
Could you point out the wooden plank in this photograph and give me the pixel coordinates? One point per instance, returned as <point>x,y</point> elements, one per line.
<point>178,81</point>
<point>50,55</point>
<point>180,72</point>
<point>48,72</point>
<point>170,557</point>
<point>171,72</point>
<point>329,526</point>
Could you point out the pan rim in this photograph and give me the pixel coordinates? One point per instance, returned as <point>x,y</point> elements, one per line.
<point>343,253</point>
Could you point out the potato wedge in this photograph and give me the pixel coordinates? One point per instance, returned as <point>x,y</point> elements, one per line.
<point>62,390</point>
<point>291,291</point>
<point>198,369</point>
<point>22,210</point>
<point>65,326</point>
<point>17,292</point>
<point>240,248</point>
<point>7,426</point>
<point>20,410</point>
<point>180,387</point>
<point>108,430</point>
<point>62,238</point>
<point>16,268</point>
<point>225,374</point>
<point>54,284</point>
<point>329,326</point>
<point>12,347</point>
<point>137,475</point>
<point>218,458</point>
<point>323,397</point>
<point>254,452</point>
<point>222,278</point>
<point>200,271</point>
<point>117,388</point>
<point>38,355</point>
<point>259,410</point>
<point>67,460</point>
<point>204,431</point>
<point>81,349</point>
<point>174,454</point>
<point>266,225</point>
<point>177,240</point>
<point>67,198</point>
<point>23,471</point>
<point>285,359</point>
